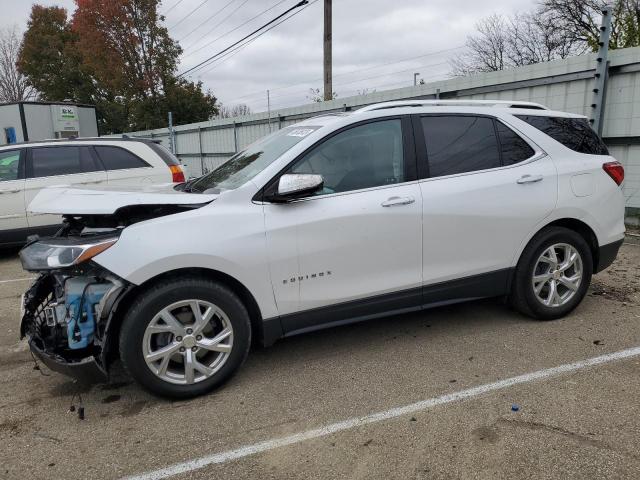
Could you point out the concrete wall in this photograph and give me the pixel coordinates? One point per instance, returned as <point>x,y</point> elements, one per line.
<point>561,85</point>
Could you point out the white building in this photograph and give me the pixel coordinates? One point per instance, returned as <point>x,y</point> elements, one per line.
<point>28,121</point>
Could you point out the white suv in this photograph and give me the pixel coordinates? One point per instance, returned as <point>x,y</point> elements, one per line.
<point>27,168</point>
<point>393,208</point>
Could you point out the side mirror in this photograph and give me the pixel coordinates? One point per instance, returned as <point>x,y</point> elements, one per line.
<point>292,186</point>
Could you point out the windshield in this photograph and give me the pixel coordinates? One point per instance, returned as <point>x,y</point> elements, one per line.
<point>245,165</point>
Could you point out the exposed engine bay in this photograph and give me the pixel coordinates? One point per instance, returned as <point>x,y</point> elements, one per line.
<point>70,307</point>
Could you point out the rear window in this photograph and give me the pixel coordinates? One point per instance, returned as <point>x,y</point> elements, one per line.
<point>51,161</point>
<point>168,157</point>
<point>574,133</point>
<point>116,158</point>
<point>514,148</point>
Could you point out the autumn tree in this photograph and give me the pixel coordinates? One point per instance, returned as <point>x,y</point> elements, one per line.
<point>48,59</point>
<point>117,55</point>
<point>14,86</point>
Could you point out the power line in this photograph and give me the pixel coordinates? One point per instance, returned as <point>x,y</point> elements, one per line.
<point>371,78</point>
<point>359,70</point>
<point>297,5</point>
<point>174,6</point>
<point>237,49</point>
<point>349,92</point>
<point>188,15</point>
<point>228,32</point>
<point>214,27</point>
<point>363,80</point>
<point>212,16</point>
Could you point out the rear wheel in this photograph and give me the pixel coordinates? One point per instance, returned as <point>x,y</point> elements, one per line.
<point>184,337</point>
<point>553,274</point>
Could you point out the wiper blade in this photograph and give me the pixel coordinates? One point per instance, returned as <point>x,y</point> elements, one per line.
<point>187,186</point>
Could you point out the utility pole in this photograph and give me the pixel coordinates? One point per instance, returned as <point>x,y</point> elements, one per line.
<point>269,110</point>
<point>172,144</point>
<point>328,87</point>
<point>415,78</point>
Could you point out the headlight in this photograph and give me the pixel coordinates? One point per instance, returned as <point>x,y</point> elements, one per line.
<point>62,252</point>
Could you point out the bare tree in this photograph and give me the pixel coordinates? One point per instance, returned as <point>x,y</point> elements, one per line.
<point>534,38</point>
<point>524,39</point>
<point>235,111</point>
<point>487,50</point>
<point>13,85</point>
<point>316,96</point>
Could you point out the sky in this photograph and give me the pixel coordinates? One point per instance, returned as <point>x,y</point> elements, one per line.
<point>377,44</point>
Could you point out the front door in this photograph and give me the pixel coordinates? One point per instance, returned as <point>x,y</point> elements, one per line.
<point>353,249</point>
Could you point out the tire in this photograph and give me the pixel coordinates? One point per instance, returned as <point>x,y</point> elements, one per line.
<point>536,259</point>
<point>169,353</point>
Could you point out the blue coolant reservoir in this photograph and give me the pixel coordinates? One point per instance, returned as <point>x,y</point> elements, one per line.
<point>81,321</point>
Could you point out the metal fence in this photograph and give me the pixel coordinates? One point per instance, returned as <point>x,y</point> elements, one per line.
<point>565,85</point>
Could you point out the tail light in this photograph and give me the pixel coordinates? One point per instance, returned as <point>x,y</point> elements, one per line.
<point>615,170</point>
<point>177,173</point>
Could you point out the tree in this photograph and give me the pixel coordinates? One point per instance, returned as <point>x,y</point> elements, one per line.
<point>316,96</point>
<point>14,86</point>
<point>117,55</point>
<point>580,20</point>
<point>235,111</point>
<point>523,39</point>
<point>48,59</point>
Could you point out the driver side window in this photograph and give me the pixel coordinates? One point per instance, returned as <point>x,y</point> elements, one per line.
<point>365,156</point>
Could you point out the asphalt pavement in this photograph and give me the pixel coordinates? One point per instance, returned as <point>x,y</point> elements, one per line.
<point>439,384</point>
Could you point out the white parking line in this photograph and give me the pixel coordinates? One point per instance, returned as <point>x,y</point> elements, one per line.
<point>267,445</point>
<point>17,280</point>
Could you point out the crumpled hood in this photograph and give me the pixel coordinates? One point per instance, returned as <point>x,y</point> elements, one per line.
<point>105,200</point>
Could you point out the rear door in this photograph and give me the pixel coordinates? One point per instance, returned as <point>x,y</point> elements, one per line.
<point>12,208</point>
<point>484,189</point>
<point>125,167</point>
<point>59,165</point>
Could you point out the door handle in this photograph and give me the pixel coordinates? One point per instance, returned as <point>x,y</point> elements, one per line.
<point>8,191</point>
<point>397,201</point>
<point>530,179</point>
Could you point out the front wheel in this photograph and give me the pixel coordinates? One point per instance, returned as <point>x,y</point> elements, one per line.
<point>553,274</point>
<point>184,337</point>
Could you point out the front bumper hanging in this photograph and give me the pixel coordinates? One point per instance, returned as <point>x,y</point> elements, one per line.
<point>47,333</point>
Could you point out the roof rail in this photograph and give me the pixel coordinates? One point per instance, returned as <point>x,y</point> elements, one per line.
<point>452,103</point>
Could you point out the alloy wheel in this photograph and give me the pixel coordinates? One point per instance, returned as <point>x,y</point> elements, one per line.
<point>187,342</point>
<point>557,275</point>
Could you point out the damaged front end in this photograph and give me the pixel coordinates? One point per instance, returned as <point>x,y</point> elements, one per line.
<point>69,310</point>
<point>66,320</point>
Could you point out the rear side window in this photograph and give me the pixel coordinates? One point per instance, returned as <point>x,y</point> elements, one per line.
<point>573,133</point>
<point>116,158</point>
<point>9,165</point>
<point>168,157</point>
<point>459,144</point>
<point>51,161</point>
<point>513,147</point>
